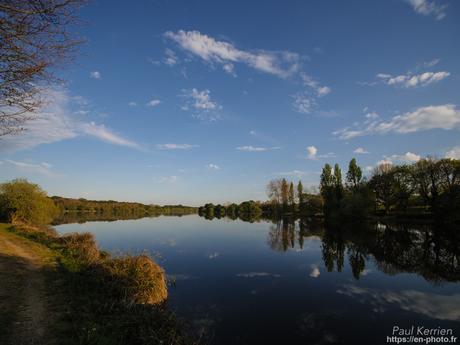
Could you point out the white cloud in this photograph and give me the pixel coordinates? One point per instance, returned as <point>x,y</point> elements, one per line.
<point>250,148</point>
<point>445,116</point>
<point>103,133</point>
<point>407,157</point>
<point>412,80</point>
<point>170,58</point>
<point>281,64</point>
<point>212,166</point>
<point>312,152</point>
<point>360,150</point>
<point>303,102</point>
<point>428,7</point>
<point>153,103</point>
<point>55,122</point>
<point>314,85</point>
<point>372,115</point>
<point>132,104</point>
<point>296,173</point>
<point>201,103</point>
<point>95,75</point>
<point>453,153</point>
<point>175,146</point>
<point>42,168</point>
<point>166,179</point>
<point>385,161</point>
<point>229,68</point>
<point>428,64</point>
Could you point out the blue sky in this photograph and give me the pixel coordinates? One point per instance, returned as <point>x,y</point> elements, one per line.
<point>197,101</point>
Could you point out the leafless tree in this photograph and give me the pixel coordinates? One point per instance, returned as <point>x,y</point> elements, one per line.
<point>36,37</point>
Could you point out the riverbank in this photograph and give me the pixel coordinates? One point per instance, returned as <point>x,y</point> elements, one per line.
<point>70,292</point>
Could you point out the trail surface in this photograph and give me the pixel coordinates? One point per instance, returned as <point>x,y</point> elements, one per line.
<point>23,297</point>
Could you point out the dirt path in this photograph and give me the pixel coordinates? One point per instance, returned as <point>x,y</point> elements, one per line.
<point>23,291</point>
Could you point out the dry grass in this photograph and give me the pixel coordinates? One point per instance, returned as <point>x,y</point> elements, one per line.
<point>137,278</point>
<point>82,248</point>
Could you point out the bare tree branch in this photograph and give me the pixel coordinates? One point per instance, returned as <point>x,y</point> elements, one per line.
<point>35,38</point>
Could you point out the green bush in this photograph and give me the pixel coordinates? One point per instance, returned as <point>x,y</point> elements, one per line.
<point>25,202</point>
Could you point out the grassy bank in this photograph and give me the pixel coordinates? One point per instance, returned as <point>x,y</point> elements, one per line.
<point>96,298</point>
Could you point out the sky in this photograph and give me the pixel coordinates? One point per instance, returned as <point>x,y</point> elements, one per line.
<point>206,101</point>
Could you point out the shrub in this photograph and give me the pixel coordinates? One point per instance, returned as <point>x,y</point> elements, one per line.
<point>25,202</point>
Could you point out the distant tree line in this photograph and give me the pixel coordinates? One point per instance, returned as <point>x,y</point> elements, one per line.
<point>117,208</point>
<point>427,188</point>
<point>26,203</point>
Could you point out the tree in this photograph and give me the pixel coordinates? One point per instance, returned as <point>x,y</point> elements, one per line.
<point>300,194</point>
<point>35,37</point>
<point>382,183</point>
<point>274,191</point>
<point>327,180</point>
<point>427,176</point>
<point>25,202</point>
<point>338,182</point>
<point>354,174</point>
<point>291,195</point>
<point>284,192</point>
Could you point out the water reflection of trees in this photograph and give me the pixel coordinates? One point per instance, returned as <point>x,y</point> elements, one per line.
<point>432,251</point>
<point>288,233</point>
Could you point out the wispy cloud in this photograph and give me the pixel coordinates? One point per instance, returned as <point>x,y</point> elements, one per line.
<point>296,173</point>
<point>303,102</point>
<point>282,64</point>
<point>212,166</point>
<point>445,116</point>
<point>172,179</point>
<point>42,168</point>
<point>360,150</point>
<point>103,133</point>
<point>153,103</point>
<point>55,122</point>
<point>413,80</point>
<point>428,8</point>
<point>170,58</point>
<point>175,146</point>
<point>250,148</point>
<point>95,75</point>
<point>200,102</point>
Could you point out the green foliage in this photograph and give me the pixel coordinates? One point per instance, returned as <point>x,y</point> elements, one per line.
<point>354,174</point>
<point>25,202</point>
<point>72,210</point>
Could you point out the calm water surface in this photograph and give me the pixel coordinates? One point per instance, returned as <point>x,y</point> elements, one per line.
<point>297,283</point>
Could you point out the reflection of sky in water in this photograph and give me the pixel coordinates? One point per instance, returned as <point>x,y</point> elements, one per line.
<point>248,283</point>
